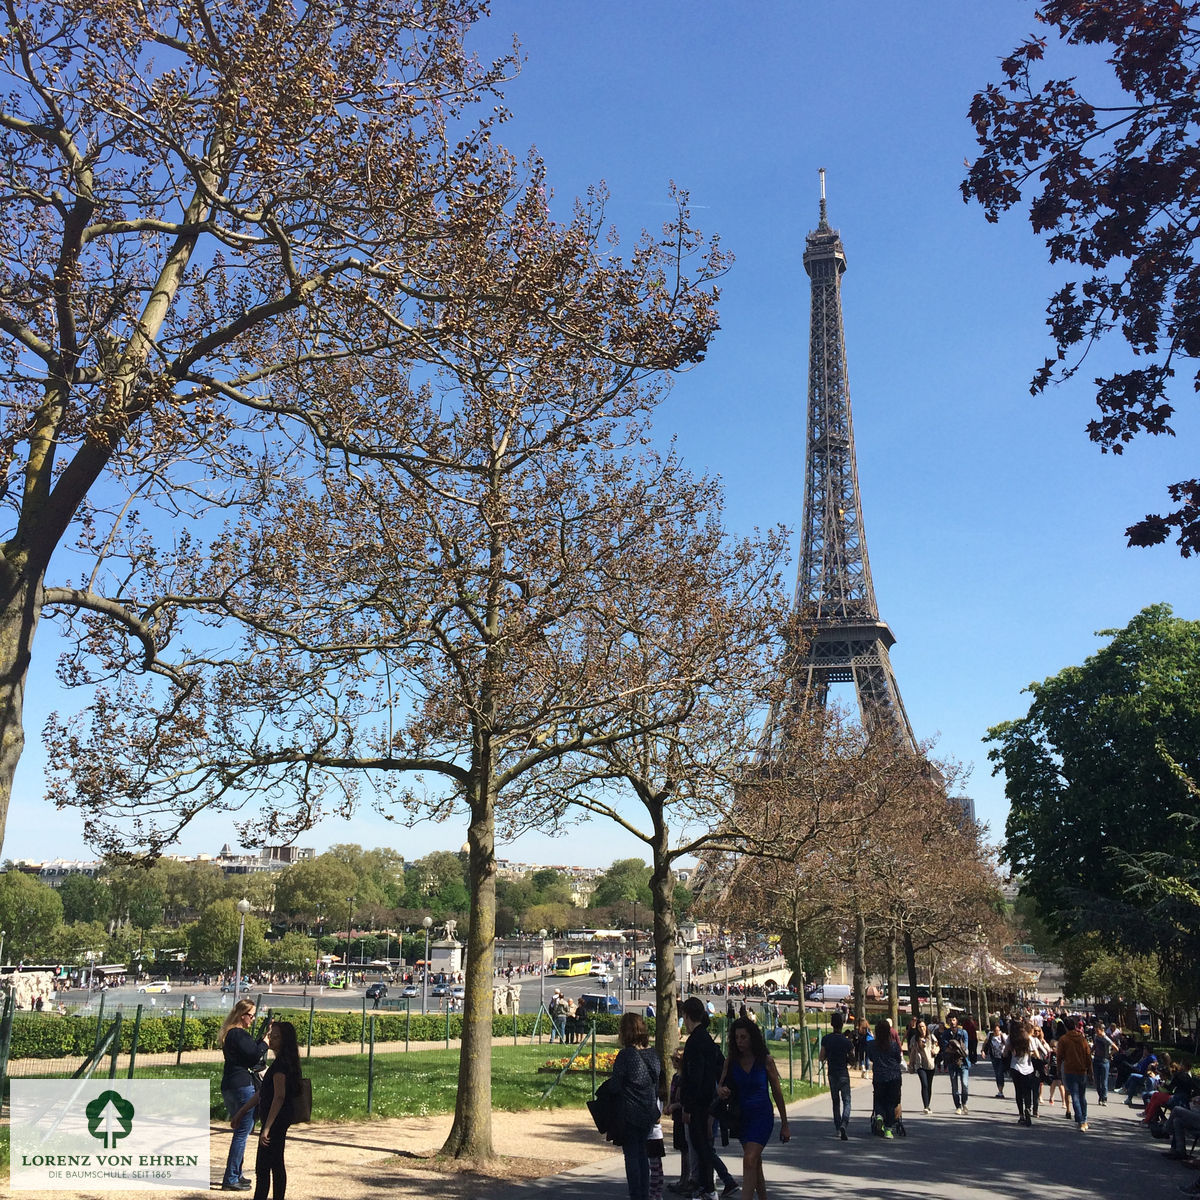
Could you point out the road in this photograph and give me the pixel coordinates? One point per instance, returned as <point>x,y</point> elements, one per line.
<point>212,999</point>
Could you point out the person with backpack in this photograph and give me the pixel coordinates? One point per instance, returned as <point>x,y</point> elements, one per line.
<point>636,1074</point>
<point>956,1057</point>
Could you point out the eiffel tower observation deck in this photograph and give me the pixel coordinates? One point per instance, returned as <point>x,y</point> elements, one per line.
<point>842,639</point>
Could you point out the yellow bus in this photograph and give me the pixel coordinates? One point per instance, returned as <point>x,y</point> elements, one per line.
<point>573,964</point>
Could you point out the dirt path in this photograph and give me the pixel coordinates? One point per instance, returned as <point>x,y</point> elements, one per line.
<point>390,1160</point>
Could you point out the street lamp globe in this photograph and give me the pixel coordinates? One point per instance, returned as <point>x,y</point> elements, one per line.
<point>243,906</point>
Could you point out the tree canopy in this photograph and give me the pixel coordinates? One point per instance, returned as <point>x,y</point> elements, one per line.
<point>1099,772</point>
<point>1110,181</point>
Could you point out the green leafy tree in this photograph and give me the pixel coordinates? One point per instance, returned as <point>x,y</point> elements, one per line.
<point>84,898</point>
<point>317,886</point>
<point>71,943</point>
<point>1108,170</point>
<point>293,952</point>
<point>212,941</point>
<point>31,912</point>
<point>1107,753</point>
<point>627,880</point>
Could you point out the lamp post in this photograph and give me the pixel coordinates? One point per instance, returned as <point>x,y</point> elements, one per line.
<point>542,968</point>
<point>349,922</point>
<point>3,935</point>
<point>243,907</point>
<point>427,922</point>
<point>634,992</point>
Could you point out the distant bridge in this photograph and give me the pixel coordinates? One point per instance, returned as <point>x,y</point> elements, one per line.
<point>771,974</point>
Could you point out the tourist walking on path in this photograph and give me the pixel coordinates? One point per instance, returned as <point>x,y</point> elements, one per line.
<point>242,1054</point>
<point>994,1048</point>
<point>958,1063</point>
<point>1020,1065</point>
<point>922,1059</point>
<point>886,1075</point>
<point>750,1075</point>
<point>636,1073</point>
<point>1075,1065</point>
<point>1041,1054</point>
<point>836,1052</point>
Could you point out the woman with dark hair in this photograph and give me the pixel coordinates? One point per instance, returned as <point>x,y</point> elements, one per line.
<point>886,1074</point>
<point>280,1087</point>
<point>750,1074</point>
<point>1021,1068</point>
<point>636,1071</point>
<point>922,1051</point>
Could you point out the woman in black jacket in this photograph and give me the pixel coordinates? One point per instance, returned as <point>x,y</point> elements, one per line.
<point>242,1053</point>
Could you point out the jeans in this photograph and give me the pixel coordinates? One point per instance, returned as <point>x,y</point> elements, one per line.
<point>926,1077</point>
<point>839,1091</point>
<point>1185,1123</point>
<point>1076,1086</point>
<point>959,1084</point>
<point>1101,1067</point>
<point>637,1165</point>
<point>998,1067</point>
<point>234,1099</point>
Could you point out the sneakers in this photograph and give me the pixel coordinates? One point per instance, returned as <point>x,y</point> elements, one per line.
<point>1000,1096</point>
<point>242,1185</point>
<point>887,1133</point>
<point>964,1110</point>
<point>958,1110</point>
<point>1083,1127</point>
<point>928,1111</point>
<point>842,1133</point>
<point>877,1123</point>
<point>731,1187</point>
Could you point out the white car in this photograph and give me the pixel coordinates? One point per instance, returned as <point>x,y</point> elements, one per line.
<point>155,987</point>
<point>458,992</point>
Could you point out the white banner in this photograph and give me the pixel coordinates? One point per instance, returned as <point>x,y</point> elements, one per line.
<point>109,1134</point>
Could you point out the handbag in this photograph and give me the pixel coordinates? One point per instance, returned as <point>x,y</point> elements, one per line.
<point>302,1102</point>
<point>606,1111</point>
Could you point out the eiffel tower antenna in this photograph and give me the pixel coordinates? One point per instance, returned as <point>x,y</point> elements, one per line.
<point>835,607</point>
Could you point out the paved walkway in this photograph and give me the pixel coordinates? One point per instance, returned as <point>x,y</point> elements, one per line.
<point>983,1156</point>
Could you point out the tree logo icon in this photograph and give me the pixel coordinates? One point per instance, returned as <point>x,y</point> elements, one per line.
<point>109,1118</point>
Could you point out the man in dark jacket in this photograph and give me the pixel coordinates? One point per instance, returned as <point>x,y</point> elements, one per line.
<point>702,1062</point>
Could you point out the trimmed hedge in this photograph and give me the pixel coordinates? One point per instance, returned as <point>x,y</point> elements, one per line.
<point>48,1035</point>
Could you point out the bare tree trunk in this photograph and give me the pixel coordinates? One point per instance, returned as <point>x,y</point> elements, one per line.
<point>910,958</point>
<point>666,1028</point>
<point>893,978</point>
<point>20,609</point>
<point>471,1134</point>
<point>860,964</point>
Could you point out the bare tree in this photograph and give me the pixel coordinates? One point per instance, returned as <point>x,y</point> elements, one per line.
<point>205,208</point>
<point>458,611</point>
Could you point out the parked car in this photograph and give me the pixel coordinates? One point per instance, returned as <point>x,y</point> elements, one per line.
<point>596,1003</point>
<point>230,987</point>
<point>161,986</point>
<point>410,990</point>
<point>439,989</point>
<point>458,992</point>
<point>781,994</point>
<point>376,991</point>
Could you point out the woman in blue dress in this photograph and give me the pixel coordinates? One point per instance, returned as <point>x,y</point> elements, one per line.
<point>749,1080</point>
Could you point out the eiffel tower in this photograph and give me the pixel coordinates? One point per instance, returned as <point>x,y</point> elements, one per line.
<point>844,641</point>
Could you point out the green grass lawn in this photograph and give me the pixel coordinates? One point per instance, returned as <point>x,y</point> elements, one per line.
<point>419,1083</point>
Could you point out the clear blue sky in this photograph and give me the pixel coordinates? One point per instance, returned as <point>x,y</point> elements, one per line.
<point>994,526</point>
